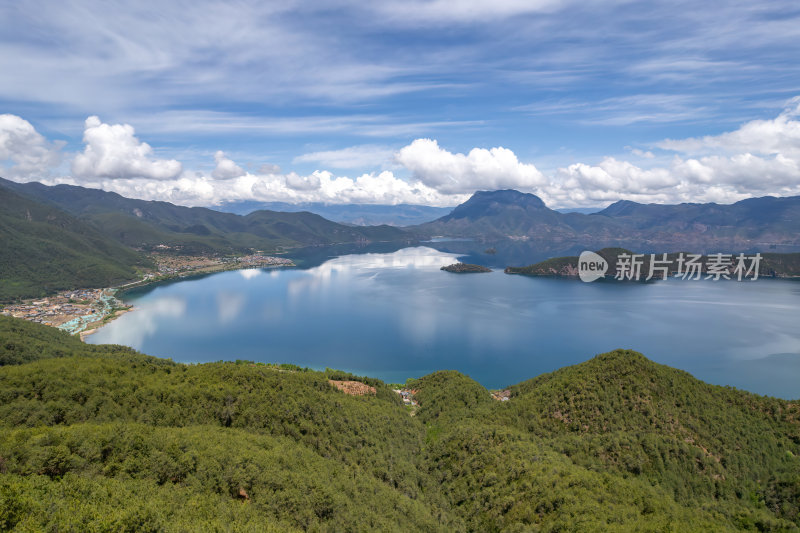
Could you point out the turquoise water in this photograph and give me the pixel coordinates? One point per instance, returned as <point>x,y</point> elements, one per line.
<point>395,315</point>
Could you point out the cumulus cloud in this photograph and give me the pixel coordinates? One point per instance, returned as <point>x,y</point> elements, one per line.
<point>226,169</point>
<point>304,183</point>
<point>198,189</point>
<point>646,154</point>
<point>761,157</point>
<point>267,168</point>
<point>449,173</point>
<point>323,186</point>
<point>30,155</point>
<point>611,176</point>
<point>780,135</point>
<point>113,151</point>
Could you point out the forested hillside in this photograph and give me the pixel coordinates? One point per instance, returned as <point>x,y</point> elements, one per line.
<point>104,438</point>
<point>44,249</point>
<point>196,230</point>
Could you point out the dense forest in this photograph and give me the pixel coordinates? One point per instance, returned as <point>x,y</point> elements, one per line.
<point>195,230</point>
<point>45,250</point>
<point>102,438</point>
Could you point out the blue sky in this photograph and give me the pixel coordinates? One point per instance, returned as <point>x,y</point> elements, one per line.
<point>408,101</point>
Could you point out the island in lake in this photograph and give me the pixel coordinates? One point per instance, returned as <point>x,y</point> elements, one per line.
<point>464,268</point>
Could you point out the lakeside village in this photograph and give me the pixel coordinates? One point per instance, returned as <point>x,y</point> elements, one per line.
<point>81,311</point>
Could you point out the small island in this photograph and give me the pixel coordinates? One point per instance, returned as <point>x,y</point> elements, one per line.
<point>464,268</point>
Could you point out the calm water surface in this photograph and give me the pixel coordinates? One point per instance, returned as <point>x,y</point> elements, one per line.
<point>395,315</point>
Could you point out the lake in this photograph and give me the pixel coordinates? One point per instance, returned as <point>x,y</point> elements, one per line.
<point>393,314</point>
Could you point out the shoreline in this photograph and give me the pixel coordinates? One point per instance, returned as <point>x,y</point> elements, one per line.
<point>82,311</point>
<point>212,269</point>
<point>91,328</point>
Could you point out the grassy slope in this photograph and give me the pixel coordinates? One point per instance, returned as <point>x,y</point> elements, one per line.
<point>103,437</point>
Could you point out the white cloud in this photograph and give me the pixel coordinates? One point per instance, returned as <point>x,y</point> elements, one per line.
<point>322,186</point>
<point>226,169</point>
<point>449,173</point>
<point>113,151</point>
<point>30,154</point>
<point>198,189</point>
<point>780,135</point>
<point>616,177</point>
<point>463,11</point>
<point>304,183</point>
<point>268,168</point>
<point>761,157</point>
<point>642,153</point>
<point>366,155</point>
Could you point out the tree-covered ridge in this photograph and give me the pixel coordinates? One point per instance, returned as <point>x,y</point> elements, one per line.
<point>325,457</point>
<point>196,230</point>
<point>104,438</point>
<point>45,250</point>
<point>67,237</point>
<point>24,342</point>
<point>624,412</point>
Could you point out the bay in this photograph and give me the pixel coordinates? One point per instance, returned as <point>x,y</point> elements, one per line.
<point>393,314</point>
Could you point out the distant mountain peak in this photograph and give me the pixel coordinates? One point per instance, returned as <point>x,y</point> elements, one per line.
<point>508,196</point>
<point>620,207</point>
<point>490,203</point>
<point>756,223</point>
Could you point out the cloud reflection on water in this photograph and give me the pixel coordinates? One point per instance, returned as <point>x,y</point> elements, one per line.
<point>249,273</point>
<point>133,328</point>
<point>345,267</point>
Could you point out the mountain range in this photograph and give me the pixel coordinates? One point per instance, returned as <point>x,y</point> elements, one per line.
<point>353,214</point>
<point>144,224</point>
<point>756,224</point>
<point>66,236</point>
